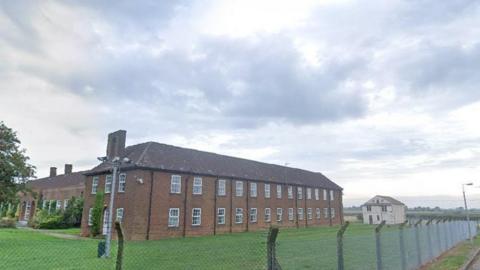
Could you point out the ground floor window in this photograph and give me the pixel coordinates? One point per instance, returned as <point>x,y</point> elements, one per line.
<point>119,217</point>
<point>290,213</point>
<point>300,213</point>
<point>325,212</point>
<point>90,217</point>
<point>253,215</point>
<point>318,213</point>
<point>268,214</point>
<point>238,215</point>
<point>279,214</point>
<point>332,210</point>
<point>196,216</point>
<point>221,215</point>
<point>173,217</point>
<point>309,213</point>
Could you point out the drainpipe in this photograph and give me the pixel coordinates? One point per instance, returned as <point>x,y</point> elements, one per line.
<point>185,207</point>
<point>215,207</point>
<point>150,206</point>
<point>231,205</point>
<point>248,209</point>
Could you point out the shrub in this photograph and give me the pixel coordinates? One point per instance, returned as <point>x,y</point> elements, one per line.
<point>97,215</point>
<point>53,222</point>
<point>7,223</point>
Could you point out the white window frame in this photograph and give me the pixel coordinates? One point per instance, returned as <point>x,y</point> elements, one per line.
<point>253,190</point>
<point>58,206</point>
<point>267,190</point>
<point>122,182</point>
<point>44,204</point>
<point>290,192</point>
<point>65,203</point>
<point>176,184</point>
<point>317,194</point>
<point>238,188</point>
<point>279,191</point>
<point>173,220</point>
<point>220,216</point>
<point>90,217</point>
<point>222,187</point>
<point>332,211</point>
<point>332,195</point>
<point>238,215</point>
<point>300,213</point>
<point>324,194</point>
<point>309,213</point>
<point>325,212</point>
<point>299,193</point>
<point>309,193</point>
<point>279,214</point>
<point>197,186</point>
<point>268,215</point>
<point>120,212</point>
<point>253,215</point>
<point>318,213</point>
<point>196,216</point>
<point>290,214</point>
<point>95,180</point>
<point>108,183</point>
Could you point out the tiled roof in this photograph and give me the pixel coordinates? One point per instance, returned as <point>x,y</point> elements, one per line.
<point>152,155</point>
<point>59,181</point>
<point>387,198</point>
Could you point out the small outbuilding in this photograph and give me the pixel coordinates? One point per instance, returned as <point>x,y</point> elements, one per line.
<point>384,208</point>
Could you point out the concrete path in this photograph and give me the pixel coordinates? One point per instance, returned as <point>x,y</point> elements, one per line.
<point>54,234</point>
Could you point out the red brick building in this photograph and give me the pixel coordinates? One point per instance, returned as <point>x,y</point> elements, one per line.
<point>168,191</point>
<point>54,189</point>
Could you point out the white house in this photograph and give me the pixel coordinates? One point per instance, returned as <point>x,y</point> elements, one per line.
<point>386,208</point>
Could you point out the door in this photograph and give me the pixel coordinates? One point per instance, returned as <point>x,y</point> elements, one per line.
<point>370,219</point>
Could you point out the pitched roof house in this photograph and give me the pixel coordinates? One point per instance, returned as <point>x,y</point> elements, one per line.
<point>383,208</point>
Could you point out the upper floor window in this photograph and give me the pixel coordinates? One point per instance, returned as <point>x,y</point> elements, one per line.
<point>197,185</point>
<point>222,190</point>
<point>268,214</point>
<point>299,193</point>
<point>196,216</point>
<point>279,191</point>
<point>253,189</point>
<point>369,208</point>
<point>324,194</point>
<point>384,208</point>
<point>120,212</point>
<point>267,190</point>
<point>175,184</point>
<point>94,184</point>
<point>309,193</point>
<point>122,182</point>
<point>238,188</point>
<point>108,183</point>
<point>290,192</point>
<point>317,194</point>
<point>331,195</point>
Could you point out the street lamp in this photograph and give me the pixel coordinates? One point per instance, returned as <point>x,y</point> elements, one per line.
<point>466,211</point>
<point>116,163</point>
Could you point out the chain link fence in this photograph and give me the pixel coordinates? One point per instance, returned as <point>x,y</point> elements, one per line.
<point>356,247</point>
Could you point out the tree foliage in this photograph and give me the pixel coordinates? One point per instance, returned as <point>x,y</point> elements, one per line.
<point>97,213</point>
<point>14,166</point>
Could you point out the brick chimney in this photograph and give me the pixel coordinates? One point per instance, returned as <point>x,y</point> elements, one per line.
<point>68,168</point>
<point>116,143</point>
<point>53,171</point>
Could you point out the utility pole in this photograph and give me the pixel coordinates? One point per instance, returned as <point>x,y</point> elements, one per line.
<point>466,211</point>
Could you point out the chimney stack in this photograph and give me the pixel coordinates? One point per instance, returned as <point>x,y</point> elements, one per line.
<point>68,168</point>
<point>53,171</point>
<point>116,144</point>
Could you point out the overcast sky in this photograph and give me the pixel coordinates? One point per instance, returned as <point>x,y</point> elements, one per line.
<point>381,96</point>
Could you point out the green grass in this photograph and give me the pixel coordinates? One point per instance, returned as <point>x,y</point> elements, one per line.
<point>70,231</point>
<point>310,248</point>
<point>455,258</point>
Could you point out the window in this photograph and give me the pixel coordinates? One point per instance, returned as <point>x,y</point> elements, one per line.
<point>325,212</point>
<point>108,183</point>
<point>175,184</point>
<point>290,213</point>
<point>65,203</point>
<point>119,217</point>
<point>369,208</point>
<point>121,182</point>
<point>332,211</point>
<point>290,192</point>
<point>267,190</point>
<point>268,214</point>
<point>318,214</point>
<point>196,216</point>
<point>384,208</point>
<point>59,204</point>
<point>331,195</point>
<point>300,213</point>
<point>253,215</point>
<point>173,217</point>
<point>238,188</point>
<point>299,193</point>
<point>279,214</point>
<point>317,194</point>
<point>309,193</point>
<point>324,194</point>
<point>51,206</point>
<point>309,213</point>
<point>253,189</point>
<point>222,190</point>
<point>90,217</point>
<point>197,186</point>
<point>378,218</point>
<point>94,184</point>
<point>238,215</point>
<point>279,191</point>
<point>221,215</point>
<point>44,206</point>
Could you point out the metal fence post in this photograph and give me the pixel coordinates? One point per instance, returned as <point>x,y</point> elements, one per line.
<point>340,245</point>
<point>119,229</point>
<point>378,245</point>
<point>272,263</point>
<point>403,256</point>
<point>417,243</point>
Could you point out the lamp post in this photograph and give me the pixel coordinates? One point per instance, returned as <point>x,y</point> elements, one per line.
<point>116,163</point>
<point>466,211</point>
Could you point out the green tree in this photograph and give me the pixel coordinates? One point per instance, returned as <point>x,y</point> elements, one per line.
<point>73,212</point>
<point>97,214</point>
<point>14,166</point>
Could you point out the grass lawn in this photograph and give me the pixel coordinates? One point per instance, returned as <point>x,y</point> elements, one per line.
<point>455,258</point>
<point>310,248</point>
<point>70,231</point>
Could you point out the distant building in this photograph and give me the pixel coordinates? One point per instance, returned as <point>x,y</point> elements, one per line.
<point>380,208</point>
